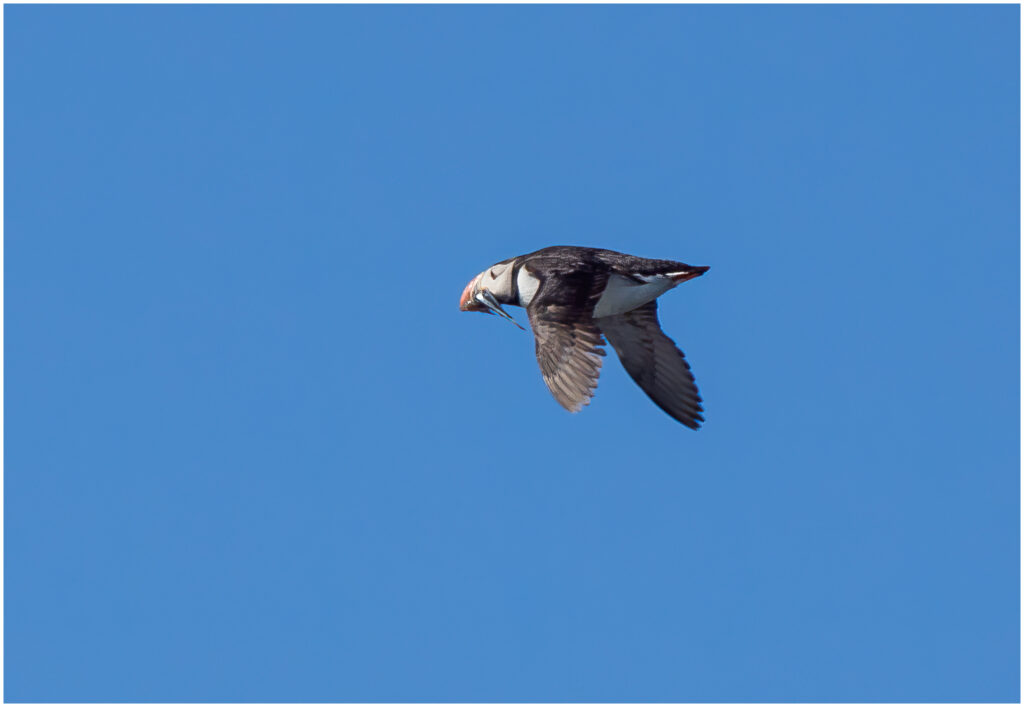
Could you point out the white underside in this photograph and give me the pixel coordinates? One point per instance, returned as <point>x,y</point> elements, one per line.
<point>623,294</point>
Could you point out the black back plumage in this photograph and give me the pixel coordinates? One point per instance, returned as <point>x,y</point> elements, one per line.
<point>565,259</point>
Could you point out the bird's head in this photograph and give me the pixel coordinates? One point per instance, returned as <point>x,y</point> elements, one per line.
<point>497,280</point>
<point>489,290</point>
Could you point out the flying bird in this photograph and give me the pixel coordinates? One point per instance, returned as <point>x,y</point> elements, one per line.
<point>575,298</point>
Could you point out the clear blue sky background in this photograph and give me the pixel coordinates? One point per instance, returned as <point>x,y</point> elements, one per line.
<point>255,452</point>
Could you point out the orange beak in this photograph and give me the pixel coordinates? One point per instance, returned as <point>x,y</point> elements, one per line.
<point>467,303</point>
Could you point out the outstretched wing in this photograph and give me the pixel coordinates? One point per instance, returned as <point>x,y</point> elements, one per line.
<point>568,341</point>
<point>654,362</point>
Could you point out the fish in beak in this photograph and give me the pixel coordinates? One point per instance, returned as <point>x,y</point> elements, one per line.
<point>487,299</point>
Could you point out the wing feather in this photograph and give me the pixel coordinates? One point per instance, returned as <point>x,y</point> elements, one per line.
<point>569,354</point>
<point>654,361</point>
<point>567,339</point>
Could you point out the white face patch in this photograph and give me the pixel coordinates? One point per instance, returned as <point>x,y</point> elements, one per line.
<point>497,279</point>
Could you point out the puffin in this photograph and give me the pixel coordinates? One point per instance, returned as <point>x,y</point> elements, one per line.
<point>577,297</point>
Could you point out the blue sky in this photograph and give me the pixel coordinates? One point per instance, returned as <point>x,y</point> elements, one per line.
<point>254,451</point>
